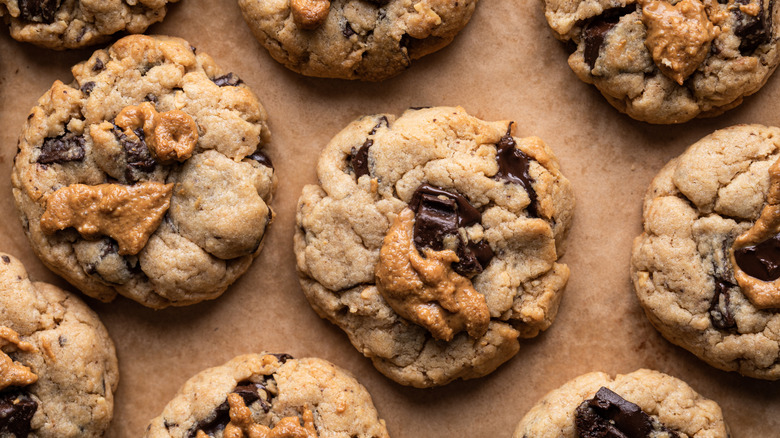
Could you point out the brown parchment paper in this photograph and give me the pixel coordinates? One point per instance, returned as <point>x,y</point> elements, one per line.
<point>504,65</point>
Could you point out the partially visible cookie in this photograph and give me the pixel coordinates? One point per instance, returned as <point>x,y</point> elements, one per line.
<point>705,269</point>
<point>370,40</point>
<point>644,403</point>
<point>69,24</point>
<point>58,367</point>
<point>433,240</point>
<point>665,61</point>
<point>147,175</point>
<point>270,393</point>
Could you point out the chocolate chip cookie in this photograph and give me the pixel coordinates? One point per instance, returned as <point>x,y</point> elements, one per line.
<point>433,241</point>
<point>147,175</point>
<point>58,367</point>
<point>705,268</point>
<point>644,403</point>
<point>260,395</point>
<point>668,61</point>
<point>370,40</point>
<point>69,24</point>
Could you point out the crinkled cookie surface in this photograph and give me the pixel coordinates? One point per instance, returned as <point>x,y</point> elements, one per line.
<point>58,367</point>
<point>665,61</point>
<point>674,408</point>
<point>708,234</point>
<point>400,201</point>
<point>69,24</point>
<point>146,176</point>
<point>354,39</point>
<point>308,397</point>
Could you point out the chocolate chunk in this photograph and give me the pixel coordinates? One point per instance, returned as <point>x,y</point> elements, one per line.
<point>16,411</point>
<point>347,31</point>
<point>434,219</point>
<point>99,66</point>
<point>761,261</point>
<point>66,147</point>
<point>228,80</point>
<point>753,31</point>
<point>513,166</point>
<point>720,309</point>
<point>261,157</point>
<point>596,30</point>
<point>474,257</point>
<point>87,87</point>
<point>282,357</point>
<point>150,98</point>
<point>359,160</point>
<point>6,259</point>
<point>137,155</point>
<point>249,391</point>
<point>40,11</point>
<point>609,415</point>
<point>467,214</point>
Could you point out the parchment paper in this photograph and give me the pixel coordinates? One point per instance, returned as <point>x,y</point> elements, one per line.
<point>504,65</point>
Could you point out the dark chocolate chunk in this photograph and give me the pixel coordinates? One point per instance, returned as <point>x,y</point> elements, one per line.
<point>16,411</point>
<point>347,30</point>
<point>66,147</point>
<point>467,214</point>
<point>249,391</point>
<point>137,155</point>
<point>359,160</point>
<point>513,166</point>
<point>228,80</point>
<point>6,259</point>
<point>260,156</point>
<point>474,257</point>
<point>720,306</point>
<point>39,11</point>
<point>283,357</point>
<point>99,66</point>
<point>761,261</point>
<point>87,87</point>
<point>753,31</point>
<point>150,98</point>
<point>596,30</point>
<point>609,415</point>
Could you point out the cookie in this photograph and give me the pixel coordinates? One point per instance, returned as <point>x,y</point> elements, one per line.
<point>146,176</point>
<point>369,40</point>
<point>259,394</point>
<point>705,268</point>
<point>69,24</point>
<point>433,241</point>
<point>644,403</point>
<point>665,61</point>
<point>58,367</point>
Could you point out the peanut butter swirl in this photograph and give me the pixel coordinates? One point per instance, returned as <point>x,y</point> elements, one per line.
<point>171,135</point>
<point>13,373</point>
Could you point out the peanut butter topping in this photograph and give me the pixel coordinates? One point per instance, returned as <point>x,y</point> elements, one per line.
<point>425,289</point>
<point>309,14</point>
<point>128,214</point>
<point>678,36</point>
<point>242,425</point>
<point>170,136</point>
<point>746,252</point>
<point>13,373</point>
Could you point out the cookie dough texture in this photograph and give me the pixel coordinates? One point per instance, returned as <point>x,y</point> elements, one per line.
<point>670,400</point>
<point>219,207</point>
<point>640,54</point>
<point>682,272</point>
<point>342,222</point>
<point>341,406</point>
<point>73,356</point>
<point>69,24</point>
<point>370,40</point>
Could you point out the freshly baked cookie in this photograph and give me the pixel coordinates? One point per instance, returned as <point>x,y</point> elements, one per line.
<point>644,403</point>
<point>668,61</point>
<point>705,268</point>
<point>58,367</point>
<point>259,394</point>
<point>433,241</point>
<point>146,176</point>
<point>68,24</point>
<point>370,40</point>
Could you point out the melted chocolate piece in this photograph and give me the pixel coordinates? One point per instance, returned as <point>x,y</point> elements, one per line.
<point>40,11</point>
<point>16,411</point>
<point>513,166</point>
<point>282,357</point>
<point>608,415</point>
<point>260,156</point>
<point>753,30</point>
<point>438,214</point>
<point>87,87</point>
<point>761,261</point>
<point>66,147</point>
<point>359,160</point>
<point>229,79</point>
<point>137,154</point>
<point>720,311</point>
<point>249,391</point>
<point>596,30</point>
<point>99,66</point>
<point>347,31</point>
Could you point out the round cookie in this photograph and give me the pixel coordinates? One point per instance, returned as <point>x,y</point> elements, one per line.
<point>705,267</point>
<point>433,241</point>
<point>146,176</point>
<point>58,367</point>
<point>69,24</point>
<point>370,40</point>
<point>664,63</point>
<point>644,403</point>
<point>256,392</point>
